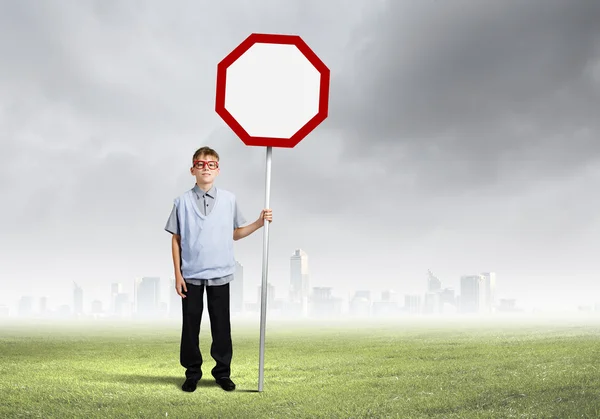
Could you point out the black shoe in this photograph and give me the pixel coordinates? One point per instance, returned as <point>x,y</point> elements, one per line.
<point>189,385</point>
<point>226,384</point>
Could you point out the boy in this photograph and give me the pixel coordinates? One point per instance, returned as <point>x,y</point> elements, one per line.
<point>204,222</point>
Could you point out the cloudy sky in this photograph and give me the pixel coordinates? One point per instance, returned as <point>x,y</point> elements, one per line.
<point>462,137</point>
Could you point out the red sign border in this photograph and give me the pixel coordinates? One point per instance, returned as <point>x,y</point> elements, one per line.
<point>310,56</point>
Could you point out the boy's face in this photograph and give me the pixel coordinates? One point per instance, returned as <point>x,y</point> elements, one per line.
<point>204,169</point>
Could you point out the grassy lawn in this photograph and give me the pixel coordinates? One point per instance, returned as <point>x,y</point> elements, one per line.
<point>405,369</point>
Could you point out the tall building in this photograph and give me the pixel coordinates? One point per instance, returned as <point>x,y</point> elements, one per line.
<point>433,283</point>
<point>77,300</point>
<point>299,281</point>
<point>432,303</point>
<point>115,289</point>
<point>147,296</point>
<point>236,289</point>
<point>488,292</point>
<point>471,291</point>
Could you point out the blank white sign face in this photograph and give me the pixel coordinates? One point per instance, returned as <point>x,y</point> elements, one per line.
<point>272,90</point>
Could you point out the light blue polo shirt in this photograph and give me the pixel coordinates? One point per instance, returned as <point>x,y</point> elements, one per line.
<point>205,202</point>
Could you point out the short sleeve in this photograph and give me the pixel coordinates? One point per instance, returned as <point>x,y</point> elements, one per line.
<point>173,222</point>
<point>238,217</point>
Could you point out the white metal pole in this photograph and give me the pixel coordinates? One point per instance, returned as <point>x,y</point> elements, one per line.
<point>265,271</point>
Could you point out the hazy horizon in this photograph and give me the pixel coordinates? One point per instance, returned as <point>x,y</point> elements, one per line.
<point>462,138</point>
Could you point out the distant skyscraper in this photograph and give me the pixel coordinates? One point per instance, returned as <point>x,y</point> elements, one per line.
<point>433,283</point>
<point>77,300</point>
<point>299,280</point>
<point>488,291</point>
<point>147,296</point>
<point>432,303</point>
<point>115,289</point>
<point>471,291</point>
<point>236,289</point>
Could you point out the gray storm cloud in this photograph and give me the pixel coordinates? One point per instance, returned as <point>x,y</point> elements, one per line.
<point>479,90</point>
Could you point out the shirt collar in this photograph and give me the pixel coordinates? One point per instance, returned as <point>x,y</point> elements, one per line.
<point>200,192</point>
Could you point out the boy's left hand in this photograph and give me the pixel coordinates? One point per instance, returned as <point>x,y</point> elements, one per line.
<point>266,214</point>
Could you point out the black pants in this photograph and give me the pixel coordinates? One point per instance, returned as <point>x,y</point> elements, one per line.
<point>221,349</point>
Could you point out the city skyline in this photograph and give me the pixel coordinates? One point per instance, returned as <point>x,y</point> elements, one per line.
<point>476,294</point>
<point>462,137</point>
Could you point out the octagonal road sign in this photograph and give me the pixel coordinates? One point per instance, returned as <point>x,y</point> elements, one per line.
<point>272,90</point>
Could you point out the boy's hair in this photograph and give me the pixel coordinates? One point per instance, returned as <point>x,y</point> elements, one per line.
<point>205,151</point>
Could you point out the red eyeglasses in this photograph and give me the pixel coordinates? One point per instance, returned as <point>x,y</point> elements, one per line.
<point>200,164</point>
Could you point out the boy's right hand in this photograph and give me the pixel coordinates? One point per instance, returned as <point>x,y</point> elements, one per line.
<point>179,285</point>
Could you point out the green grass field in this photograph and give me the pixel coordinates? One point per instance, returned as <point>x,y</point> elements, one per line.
<point>405,369</point>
